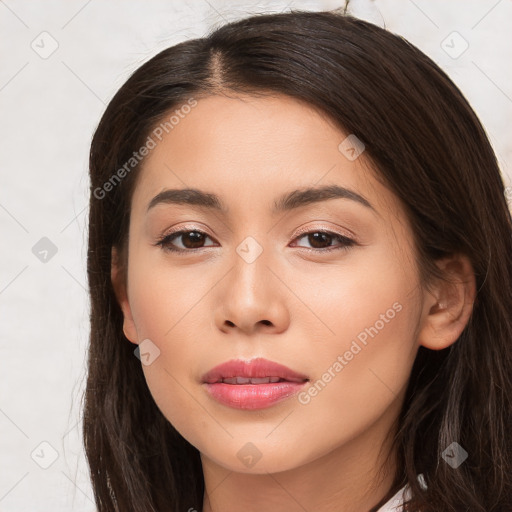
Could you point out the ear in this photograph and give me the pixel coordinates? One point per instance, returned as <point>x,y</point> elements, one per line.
<point>449,304</point>
<point>118,277</point>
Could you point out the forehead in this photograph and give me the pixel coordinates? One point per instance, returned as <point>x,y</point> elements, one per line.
<point>250,149</point>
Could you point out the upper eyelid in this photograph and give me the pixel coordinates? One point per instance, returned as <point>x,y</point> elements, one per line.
<point>312,229</point>
<point>340,231</point>
<point>300,234</point>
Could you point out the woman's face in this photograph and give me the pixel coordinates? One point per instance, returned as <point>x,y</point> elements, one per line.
<point>255,279</point>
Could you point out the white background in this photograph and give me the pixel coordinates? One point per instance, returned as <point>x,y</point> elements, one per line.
<point>49,109</point>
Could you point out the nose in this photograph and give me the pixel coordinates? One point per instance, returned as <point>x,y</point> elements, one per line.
<point>252,299</point>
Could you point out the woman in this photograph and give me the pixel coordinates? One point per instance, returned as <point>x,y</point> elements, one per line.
<point>299,268</point>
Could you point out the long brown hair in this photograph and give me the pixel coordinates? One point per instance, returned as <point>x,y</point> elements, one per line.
<point>426,144</point>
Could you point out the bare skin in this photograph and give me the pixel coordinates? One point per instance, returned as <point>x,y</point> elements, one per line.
<point>295,304</point>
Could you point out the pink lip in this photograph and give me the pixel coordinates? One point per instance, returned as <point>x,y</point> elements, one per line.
<point>252,395</point>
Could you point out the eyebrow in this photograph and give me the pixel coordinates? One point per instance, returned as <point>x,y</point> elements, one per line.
<point>289,201</point>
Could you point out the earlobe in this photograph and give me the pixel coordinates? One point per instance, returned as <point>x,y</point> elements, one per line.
<point>118,278</point>
<point>449,304</point>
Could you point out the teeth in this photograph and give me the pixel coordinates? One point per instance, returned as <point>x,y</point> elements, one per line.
<point>252,380</point>
<point>262,380</point>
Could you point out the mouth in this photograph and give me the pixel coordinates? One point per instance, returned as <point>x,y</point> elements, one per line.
<point>249,380</point>
<point>255,384</point>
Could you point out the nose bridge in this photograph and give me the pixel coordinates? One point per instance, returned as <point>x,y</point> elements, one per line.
<point>251,275</point>
<point>251,294</point>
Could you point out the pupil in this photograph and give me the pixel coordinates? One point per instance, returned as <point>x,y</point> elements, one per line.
<point>195,237</point>
<point>318,237</point>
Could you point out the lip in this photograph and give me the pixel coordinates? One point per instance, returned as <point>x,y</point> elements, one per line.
<point>251,395</point>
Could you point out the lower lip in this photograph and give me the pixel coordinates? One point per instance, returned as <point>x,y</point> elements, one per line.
<point>253,396</point>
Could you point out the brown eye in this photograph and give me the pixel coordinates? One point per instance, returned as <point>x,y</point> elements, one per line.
<point>192,239</point>
<point>321,241</point>
<point>188,240</point>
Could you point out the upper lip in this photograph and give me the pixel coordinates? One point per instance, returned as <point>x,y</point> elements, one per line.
<point>255,368</point>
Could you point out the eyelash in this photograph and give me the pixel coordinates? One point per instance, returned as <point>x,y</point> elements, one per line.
<point>164,242</point>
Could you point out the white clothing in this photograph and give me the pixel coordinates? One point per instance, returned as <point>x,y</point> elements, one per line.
<point>396,502</point>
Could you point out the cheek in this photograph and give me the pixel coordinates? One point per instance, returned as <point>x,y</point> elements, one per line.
<point>167,309</point>
<point>164,298</point>
<point>364,365</point>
